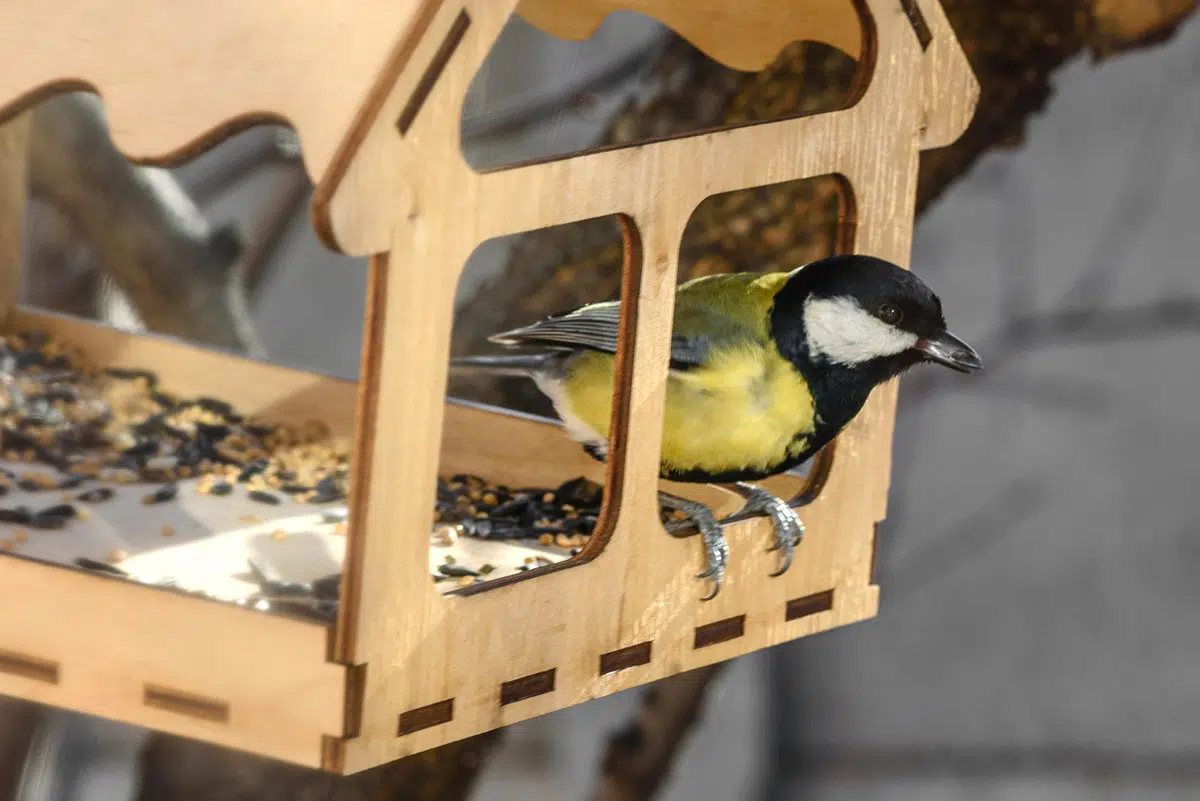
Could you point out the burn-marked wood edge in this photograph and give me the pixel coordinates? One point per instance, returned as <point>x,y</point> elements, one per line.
<point>624,658</point>
<point>184,703</point>
<point>526,687</point>
<point>614,475</point>
<point>808,605</point>
<point>343,157</point>
<point>917,19</point>
<point>29,667</point>
<point>720,631</point>
<point>189,151</point>
<point>425,717</point>
<point>436,66</point>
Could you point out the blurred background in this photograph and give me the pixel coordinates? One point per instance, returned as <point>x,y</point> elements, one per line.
<point>1039,626</point>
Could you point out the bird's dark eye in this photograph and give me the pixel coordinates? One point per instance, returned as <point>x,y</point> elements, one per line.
<point>890,313</point>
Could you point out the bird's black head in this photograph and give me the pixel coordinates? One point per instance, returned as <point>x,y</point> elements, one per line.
<point>866,316</point>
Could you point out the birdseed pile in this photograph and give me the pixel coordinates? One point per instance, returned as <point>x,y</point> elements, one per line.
<point>76,438</point>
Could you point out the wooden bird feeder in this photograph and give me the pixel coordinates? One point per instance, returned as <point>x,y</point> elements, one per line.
<point>375,89</point>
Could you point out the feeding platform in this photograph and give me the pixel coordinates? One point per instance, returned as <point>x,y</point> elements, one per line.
<point>385,662</point>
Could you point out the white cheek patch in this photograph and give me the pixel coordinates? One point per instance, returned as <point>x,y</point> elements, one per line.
<point>845,333</point>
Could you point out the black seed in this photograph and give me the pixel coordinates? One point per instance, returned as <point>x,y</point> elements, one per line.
<point>47,522</point>
<point>295,489</point>
<point>456,571</point>
<point>22,515</point>
<point>322,499</point>
<point>146,447</point>
<point>71,482</point>
<point>63,510</point>
<point>251,470</point>
<point>329,487</point>
<point>126,374</point>
<point>513,508</point>
<point>29,485</point>
<point>166,492</point>
<point>222,488</point>
<point>95,495</point>
<point>327,587</point>
<point>491,528</point>
<point>100,567</point>
<point>263,497</point>
<point>215,406</point>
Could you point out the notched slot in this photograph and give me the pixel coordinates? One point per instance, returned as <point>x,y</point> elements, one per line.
<point>527,687</point>
<point>425,717</point>
<point>623,658</point>
<point>915,18</point>
<point>434,71</point>
<point>181,703</point>
<point>721,631</point>
<point>809,605</point>
<point>28,667</point>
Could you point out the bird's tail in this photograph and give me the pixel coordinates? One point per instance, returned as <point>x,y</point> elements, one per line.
<point>517,364</point>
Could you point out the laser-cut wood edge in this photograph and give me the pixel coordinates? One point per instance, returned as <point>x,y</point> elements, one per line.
<point>522,689</point>
<point>249,64</point>
<point>181,702</point>
<point>29,667</point>
<point>746,37</point>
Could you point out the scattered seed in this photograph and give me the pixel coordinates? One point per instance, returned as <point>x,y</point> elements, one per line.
<point>166,492</point>
<point>168,530</point>
<point>21,536</point>
<point>95,495</point>
<point>220,489</point>
<point>116,555</point>
<point>456,570</point>
<point>263,497</point>
<point>279,535</point>
<point>21,515</point>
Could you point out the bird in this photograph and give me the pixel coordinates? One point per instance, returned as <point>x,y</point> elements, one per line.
<point>766,368</point>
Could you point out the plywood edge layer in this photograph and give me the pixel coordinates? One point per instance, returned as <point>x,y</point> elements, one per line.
<point>177,664</point>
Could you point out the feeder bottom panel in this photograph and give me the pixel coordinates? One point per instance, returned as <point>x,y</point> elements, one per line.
<point>112,469</point>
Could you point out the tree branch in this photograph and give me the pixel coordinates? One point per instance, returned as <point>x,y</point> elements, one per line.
<point>640,755</point>
<point>178,272</point>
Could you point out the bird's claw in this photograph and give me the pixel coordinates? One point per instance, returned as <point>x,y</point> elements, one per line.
<point>788,527</point>
<point>716,549</point>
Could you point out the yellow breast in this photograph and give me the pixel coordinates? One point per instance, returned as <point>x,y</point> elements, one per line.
<point>744,408</point>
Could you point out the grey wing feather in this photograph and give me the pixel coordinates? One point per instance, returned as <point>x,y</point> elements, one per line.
<point>595,327</point>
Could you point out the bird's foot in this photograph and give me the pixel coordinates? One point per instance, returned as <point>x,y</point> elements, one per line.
<point>716,549</point>
<point>789,529</point>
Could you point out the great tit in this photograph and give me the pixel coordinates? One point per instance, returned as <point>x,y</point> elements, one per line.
<point>765,370</point>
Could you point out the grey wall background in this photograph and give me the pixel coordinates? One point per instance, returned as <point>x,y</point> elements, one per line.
<point>1040,624</point>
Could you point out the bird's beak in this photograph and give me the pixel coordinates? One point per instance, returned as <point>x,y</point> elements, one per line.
<point>947,349</point>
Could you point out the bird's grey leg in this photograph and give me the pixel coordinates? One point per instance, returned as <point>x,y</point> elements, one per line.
<point>716,550</point>
<point>788,527</point>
